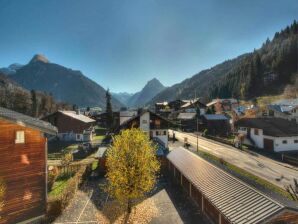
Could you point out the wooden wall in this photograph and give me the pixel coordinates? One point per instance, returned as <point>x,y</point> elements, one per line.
<point>66,123</point>
<point>23,167</point>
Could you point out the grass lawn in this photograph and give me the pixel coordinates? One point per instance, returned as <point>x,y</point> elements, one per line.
<point>94,165</point>
<point>72,147</point>
<point>246,174</point>
<point>98,137</point>
<point>59,185</point>
<point>100,130</point>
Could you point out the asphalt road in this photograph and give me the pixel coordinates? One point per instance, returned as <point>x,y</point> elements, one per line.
<point>278,173</point>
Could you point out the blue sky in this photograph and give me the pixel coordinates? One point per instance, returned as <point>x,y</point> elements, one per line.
<point>123,44</point>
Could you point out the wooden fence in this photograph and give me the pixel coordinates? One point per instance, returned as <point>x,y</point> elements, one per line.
<point>290,159</point>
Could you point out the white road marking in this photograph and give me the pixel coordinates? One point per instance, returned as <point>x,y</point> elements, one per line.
<point>84,208</point>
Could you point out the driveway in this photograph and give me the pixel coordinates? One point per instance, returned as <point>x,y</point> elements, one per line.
<point>278,173</point>
<point>172,205</point>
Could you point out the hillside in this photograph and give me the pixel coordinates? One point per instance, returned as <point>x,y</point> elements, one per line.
<point>150,90</point>
<point>33,103</point>
<point>63,83</point>
<point>267,70</point>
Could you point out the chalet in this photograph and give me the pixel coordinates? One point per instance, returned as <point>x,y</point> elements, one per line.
<point>271,134</point>
<point>223,198</point>
<point>191,106</point>
<point>287,109</point>
<point>162,107</point>
<point>223,105</point>
<point>102,120</point>
<point>151,123</point>
<point>72,126</point>
<point>188,121</point>
<point>23,166</point>
<point>216,124</point>
<point>126,115</point>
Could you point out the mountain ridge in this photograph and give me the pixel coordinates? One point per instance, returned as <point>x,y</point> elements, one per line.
<point>152,87</point>
<point>268,70</point>
<point>65,84</point>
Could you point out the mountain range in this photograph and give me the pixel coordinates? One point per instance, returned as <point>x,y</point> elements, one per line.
<point>63,83</point>
<point>268,70</point>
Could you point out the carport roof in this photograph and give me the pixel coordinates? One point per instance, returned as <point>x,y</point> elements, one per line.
<point>237,201</point>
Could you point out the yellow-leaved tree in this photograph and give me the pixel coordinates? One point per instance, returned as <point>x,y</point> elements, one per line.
<point>2,193</point>
<point>132,166</point>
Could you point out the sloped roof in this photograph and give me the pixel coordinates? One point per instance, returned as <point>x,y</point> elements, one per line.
<point>27,121</point>
<point>237,201</point>
<point>277,127</point>
<point>188,103</point>
<point>281,108</point>
<point>186,116</point>
<point>215,117</point>
<point>214,101</point>
<point>80,117</point>
<point>290,102</point>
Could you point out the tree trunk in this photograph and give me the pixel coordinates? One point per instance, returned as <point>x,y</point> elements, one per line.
<point>129,206</point>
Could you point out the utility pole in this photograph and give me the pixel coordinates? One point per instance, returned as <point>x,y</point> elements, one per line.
<point>197,116</point>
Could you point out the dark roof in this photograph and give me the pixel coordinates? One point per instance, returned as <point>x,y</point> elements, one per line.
<point>215,117</point>
<point>138,116</point>
<point>237,201</point>
<point>277,127</point>
<point>186,116</point>
<point>27,121</point>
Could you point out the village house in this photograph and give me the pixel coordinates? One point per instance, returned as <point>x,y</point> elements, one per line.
<point>223,105</point>
<point>102,120</point>
<point>221,197</point>
<point>151,123</point>
<point>23,166</point>
<point>188,121</point>
<point>216,124</point>
<point>72,126</point>
<point>126,115</point>
<point>191,106</point>
<point>287,109</point>
<point>270,134</point>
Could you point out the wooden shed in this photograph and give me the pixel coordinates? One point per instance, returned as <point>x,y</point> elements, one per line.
<point>23,166</point>
<point>222,197</point>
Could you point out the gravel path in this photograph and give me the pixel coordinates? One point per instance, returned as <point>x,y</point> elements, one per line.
<point>173,206</point>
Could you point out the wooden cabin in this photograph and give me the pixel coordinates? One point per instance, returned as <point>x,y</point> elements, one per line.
<point>23,166</point>
<point>72,126</point>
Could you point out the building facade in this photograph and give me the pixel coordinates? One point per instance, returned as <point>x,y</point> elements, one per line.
<point>151,123</point>
<point>23,166</point>
<point>71,125</point>
<point>270,134</point>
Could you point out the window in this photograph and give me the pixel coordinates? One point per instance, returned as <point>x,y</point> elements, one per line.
<point>296,141</point>
<point>20,137</point>
<point>256,131</point>
<point>164,132</point>
<point>284,142</point>
<point>156,133</point>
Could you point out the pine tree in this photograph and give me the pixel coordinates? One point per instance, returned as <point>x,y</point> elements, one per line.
<point>109,110</point>
<point>34,103</point>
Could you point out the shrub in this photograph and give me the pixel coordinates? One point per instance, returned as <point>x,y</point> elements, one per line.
<point>52,175</point>
<point>205,132</point>
<point>59,202</point>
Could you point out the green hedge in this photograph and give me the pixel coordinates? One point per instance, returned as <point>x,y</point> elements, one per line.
<point>58,202</point>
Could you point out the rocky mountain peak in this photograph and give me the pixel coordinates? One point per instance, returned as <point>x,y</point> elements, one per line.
<point>39,58</point>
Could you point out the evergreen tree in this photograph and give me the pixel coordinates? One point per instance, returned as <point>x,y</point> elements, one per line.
<point>109,110</point>
<point>34,103</point>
